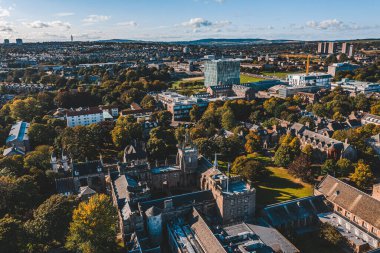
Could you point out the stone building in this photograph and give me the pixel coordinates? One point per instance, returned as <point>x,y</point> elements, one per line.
<point>324,147</point>
<point>236,199</point>
<point>355,211</point>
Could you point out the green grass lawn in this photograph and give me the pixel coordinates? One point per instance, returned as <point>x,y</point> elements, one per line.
<point>249,79</point>
<point>189,87</point>
<point>281,75</point>
<point>280,186</point>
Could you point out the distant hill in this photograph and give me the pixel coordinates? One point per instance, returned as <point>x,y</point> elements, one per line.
<point>232,41</point>
<point>220,42</point>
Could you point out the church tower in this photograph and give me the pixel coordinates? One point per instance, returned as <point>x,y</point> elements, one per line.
<point>187,156</point>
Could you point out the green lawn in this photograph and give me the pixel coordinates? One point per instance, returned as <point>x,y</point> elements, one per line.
<point>249,79</point>
<point>281,186</point>
<point>189,86</point>
<point>281,75</point>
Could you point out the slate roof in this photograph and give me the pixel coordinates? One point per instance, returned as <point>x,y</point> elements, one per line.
<point>351,199</point>
<point>178,200</point>
<point>65,185</point>
<point>293,210</point>
<point>87,168</point>
<point>272,238</point>
<point>204,235</point>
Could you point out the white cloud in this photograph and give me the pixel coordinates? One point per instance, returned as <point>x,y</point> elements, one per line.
<point>326,24</point>
<point>197,23</point>
<point>337,25</point>
<point>128,23</point>
<point>65,14</point>
<point>4,12</point>
<point>92,19</point>
<point>55,24</point>
<point>5,27</point>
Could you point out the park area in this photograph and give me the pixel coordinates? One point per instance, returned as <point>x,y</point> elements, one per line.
<point>280,186</point>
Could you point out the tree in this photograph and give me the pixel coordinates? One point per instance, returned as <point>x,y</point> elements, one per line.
<point>163,118</point>
<point>148,102</point>
<point>40,158</point>
<point>94,226</point>
<point>253,143</point>
<point>344,167</point>
<point>25,109</point>
<point>195,113</point>
<point>80,142</point>
<point>125,132</point>
<point>329,233</point>
<point>12,166</point>
<point>205,146</point>
<point>228,120</point>
<point>229,147</point>
<point>329,167</point>
<point>18,195</point>
<point>41,134</point>
<point>161,143</point>
<point>249,168</point>
<point>288,149</point>
<point>12,235</point>
<point>301,168</point>
<point>362,177</point>
<point>50,223</point>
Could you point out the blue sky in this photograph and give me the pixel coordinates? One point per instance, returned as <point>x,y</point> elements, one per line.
<point>170,20</point>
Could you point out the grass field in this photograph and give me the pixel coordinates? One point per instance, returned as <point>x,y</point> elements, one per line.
<point>281,186</point>
<point>189,86</point>
<point>281,75</point>
<point>249,79</point>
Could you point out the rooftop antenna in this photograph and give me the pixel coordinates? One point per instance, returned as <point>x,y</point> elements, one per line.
<point>216,161</point>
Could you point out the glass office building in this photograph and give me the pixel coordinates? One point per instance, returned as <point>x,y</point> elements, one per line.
<point>224,72</point>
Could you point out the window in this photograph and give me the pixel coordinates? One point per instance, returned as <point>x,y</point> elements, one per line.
<point>356,219</point>
<point>348,214</point>
<point>374,230</point>
<point>365,225</point>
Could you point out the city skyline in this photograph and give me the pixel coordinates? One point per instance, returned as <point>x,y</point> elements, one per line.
<point>187,20</point>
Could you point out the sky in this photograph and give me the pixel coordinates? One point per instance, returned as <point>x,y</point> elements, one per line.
<point>177,20</point>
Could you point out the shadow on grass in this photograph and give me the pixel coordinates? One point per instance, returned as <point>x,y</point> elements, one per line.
<point>275,189</point>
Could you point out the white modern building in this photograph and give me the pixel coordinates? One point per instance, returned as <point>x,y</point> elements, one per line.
<point>357,87</point>
<point>180,105</point>
<point>312,79</point>
<point>89,115</point>
<point>222,72</point>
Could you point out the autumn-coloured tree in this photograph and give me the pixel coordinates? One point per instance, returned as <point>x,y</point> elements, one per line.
<point>93,229</point>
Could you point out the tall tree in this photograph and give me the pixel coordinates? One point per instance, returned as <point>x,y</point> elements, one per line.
<point>50,223</point>
<point>94,226</point>
<point>362,177</point>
